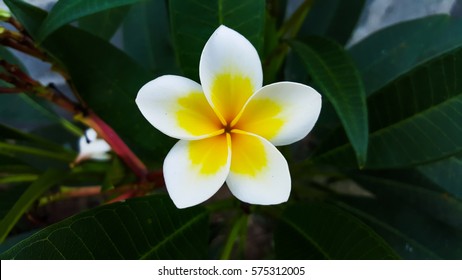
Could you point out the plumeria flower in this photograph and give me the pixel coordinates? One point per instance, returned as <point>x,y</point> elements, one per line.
<point>90,147</point>
<point>228,126</point>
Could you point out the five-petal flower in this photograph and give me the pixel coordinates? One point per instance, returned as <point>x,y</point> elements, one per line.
<point>228,126</point>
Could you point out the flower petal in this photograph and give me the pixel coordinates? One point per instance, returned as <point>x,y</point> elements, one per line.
<point>195,170</point>
<point>230,72</point>
<point>177,107</point>
<point>282,113</point>
<point>90,147</point>
<point>259,174</point>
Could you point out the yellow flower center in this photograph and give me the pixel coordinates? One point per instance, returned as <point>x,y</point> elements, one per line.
<point>226,123</point>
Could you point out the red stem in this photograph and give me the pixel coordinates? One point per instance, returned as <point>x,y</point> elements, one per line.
<point>119,147</point>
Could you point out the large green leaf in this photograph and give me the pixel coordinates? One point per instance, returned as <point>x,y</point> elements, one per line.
<point>146,37</point>
<point>337,78</point>
<point>414,120</point>
<point>106,78</point>
<point>141,228</point>
<point>446,173</point>
<point>66,11</point>
<point>410,232</point>
<point>393,51</point>
<point>105,23</point>
<point>316,230</point>
<point>32,193</point>
<point>194,21</point>
<point>395,237</point>
<point>333,18</point>
<point>434,203</point>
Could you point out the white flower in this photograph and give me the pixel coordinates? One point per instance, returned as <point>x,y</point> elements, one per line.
<point>228,126</point>
<point>90,147</point>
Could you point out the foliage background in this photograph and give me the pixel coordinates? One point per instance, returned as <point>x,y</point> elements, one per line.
<point>379,177</point>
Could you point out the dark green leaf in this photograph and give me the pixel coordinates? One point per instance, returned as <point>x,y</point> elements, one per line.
<point>15,149</point>
<point>9,196</point>
<point>393,51</point>
<point>411,233</point>
<point>446,173</point>
<point>414,120</point>
<point>33,192</point>
<point>141,228</point>
<point>333,18</point>
<point>67,11</point>
<point>193,22</point>
<point>436,204</point>
<point>337,78</point>
<point>105,23</point>
<point>308,231</point>
<point>107,79</point>
<point>9,134</point>
<point>146,37</point>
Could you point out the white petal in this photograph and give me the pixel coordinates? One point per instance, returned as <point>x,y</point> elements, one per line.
<point>195,170</point>
<point>230,72</point>
<point>90,147</point>
<point>282,113</point>
<point>259,173</point>
<point>177,107</point>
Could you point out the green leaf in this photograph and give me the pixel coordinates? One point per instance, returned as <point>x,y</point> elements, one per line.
<point>335,19</point>
<point>14,149</point>
<point>446,173</point>
<point>393,51</point>
<point>105,23</point>
<point>67,11</point>
<point>33,192</point>
<point>434,203</point>
<point>337,78</point>
<point>9,196</point>
<point>414,120</point>
<point>106,78</point>
<point>18,178</point>
<point>412,234</point>
<point>191,32</point>
<point>316,230</point>
<point>10,134</point>
<point>146,37</point>
<point>141,228</point>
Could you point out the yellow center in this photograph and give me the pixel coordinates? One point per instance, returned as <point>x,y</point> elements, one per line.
<point>227,124</point>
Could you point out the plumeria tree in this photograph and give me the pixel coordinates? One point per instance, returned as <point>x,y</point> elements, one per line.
<point>229,129</point>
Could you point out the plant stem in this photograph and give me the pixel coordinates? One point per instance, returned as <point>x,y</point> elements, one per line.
<point>117,144</point>
<point>291,27</point>
<point>238,225</point>
<point>22,81</point>
<point>288,30</point>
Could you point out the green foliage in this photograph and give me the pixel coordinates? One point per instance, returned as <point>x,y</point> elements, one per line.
<point>335,75</point>
<point>66,11</point>
<point>379,177</point>
<point>147,39</point>
<point>395,50</point>
<point>415,119</point>
<point>321,231</point>
<point>335,19</point>
<point>144,228</point>
<point>103,73</point>
<point>47,180</point>
<point>246,17</point>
